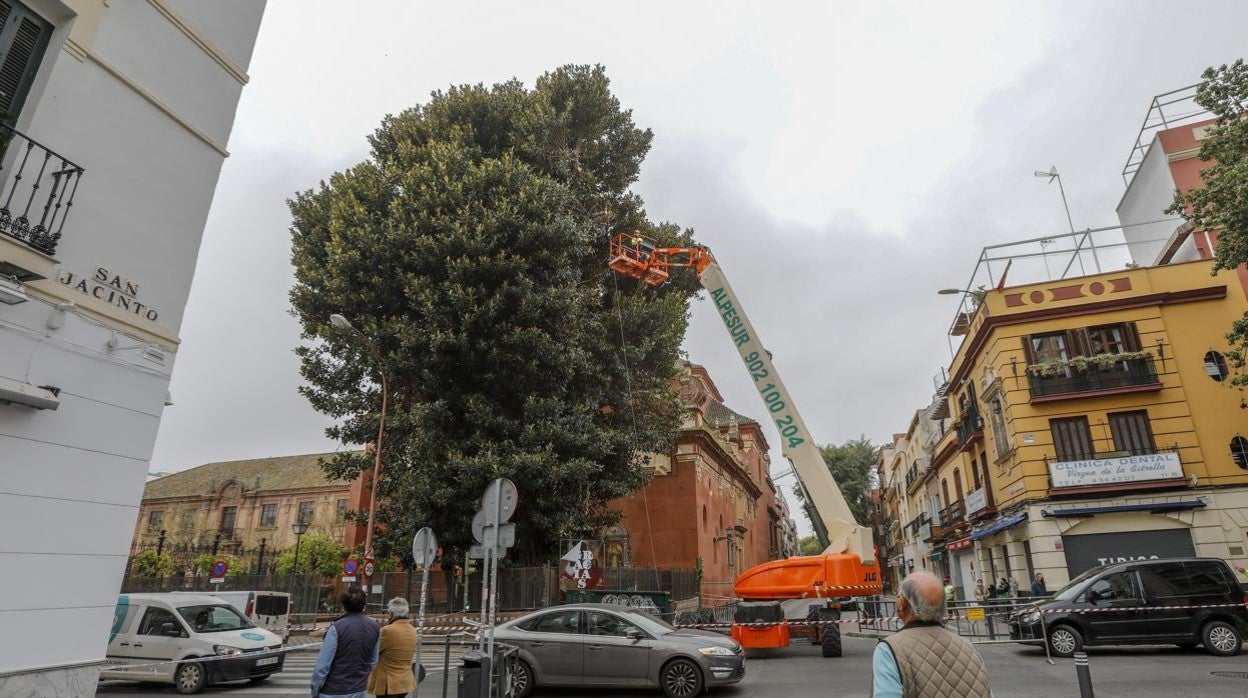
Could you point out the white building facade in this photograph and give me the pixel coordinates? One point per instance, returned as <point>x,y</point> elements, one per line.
<point>117,116</point>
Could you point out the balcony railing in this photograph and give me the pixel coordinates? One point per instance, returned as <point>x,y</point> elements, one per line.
<point>1125,374</point>
<point>969,426</point>
<point>954,513</point>
<point>34,212</point>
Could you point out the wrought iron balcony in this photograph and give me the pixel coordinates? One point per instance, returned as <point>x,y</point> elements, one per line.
<point>35,217</point>
<point>970,426</point>
<point>954,513</point>
<point>1124,374</point>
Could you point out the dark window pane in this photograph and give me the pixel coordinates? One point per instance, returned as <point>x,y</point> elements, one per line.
<point>1204,579</point>
<point>267,605</point>
<point>154,618</point>
<point>1115,587</point>
<point>559,622</point>
<point>268,515</point>
<point>602,623</point>
<point>1046,347</point>
<point>305,512</point>
<point>228,515</point>
<point>1164,580</point>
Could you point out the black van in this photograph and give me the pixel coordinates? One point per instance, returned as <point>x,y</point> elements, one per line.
<point>1181,601</point>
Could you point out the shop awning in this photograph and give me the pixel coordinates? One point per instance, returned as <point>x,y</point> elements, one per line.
<point>1181,505</point>
<point>998,526</point>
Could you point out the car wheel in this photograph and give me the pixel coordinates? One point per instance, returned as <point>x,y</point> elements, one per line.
<point>830,640</point>
<point>190,677</point>
<point>1222,639</point>
<point>1064,641</point>
<point>522,682</point>
<point>681,678</point>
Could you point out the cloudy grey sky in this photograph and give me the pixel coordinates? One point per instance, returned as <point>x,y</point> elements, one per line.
<point>844,160</point>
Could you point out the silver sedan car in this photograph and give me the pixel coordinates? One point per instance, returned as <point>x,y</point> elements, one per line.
<point>606,646</point>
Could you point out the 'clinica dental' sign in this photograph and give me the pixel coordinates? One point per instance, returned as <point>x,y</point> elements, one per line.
<point>1108,471</point>
<point>111,288</point>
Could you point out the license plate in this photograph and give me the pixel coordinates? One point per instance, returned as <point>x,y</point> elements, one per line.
<point>267,661</point>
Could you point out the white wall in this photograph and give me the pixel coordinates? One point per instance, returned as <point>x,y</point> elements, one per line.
<point>73,477</point>
<point>1146,199</point>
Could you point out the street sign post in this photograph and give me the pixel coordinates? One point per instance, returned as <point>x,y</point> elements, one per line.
<point>219,568</point>
<point>495,535</point>
<point>349,568</point>
<point>424,551</point>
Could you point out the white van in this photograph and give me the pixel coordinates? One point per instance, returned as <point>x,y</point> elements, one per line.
<point>266,609</point>
<point>153,634</point>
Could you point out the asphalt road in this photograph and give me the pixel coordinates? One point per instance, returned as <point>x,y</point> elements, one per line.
<point>799,672</point>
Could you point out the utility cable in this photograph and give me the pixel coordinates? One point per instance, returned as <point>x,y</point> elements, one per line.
<point>632,409</point>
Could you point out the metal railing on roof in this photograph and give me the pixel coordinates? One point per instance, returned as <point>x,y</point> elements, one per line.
<point>1167,110</point>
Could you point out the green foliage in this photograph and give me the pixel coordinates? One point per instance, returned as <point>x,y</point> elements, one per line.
<point>470,248</point>
<point>317,555</point>
<point>149,565</point>
<point>852,465</point>
<point>203,564</point>
<point>1222,203</point>
<point>809,546</point>
<point>1051,368</point>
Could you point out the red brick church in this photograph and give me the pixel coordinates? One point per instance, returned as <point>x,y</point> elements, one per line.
<point>711,503</point>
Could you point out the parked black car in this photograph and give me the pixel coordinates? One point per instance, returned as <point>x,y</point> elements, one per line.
<point>1183,601</point>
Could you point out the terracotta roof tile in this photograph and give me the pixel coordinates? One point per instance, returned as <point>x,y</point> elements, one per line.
<point>278,473</point>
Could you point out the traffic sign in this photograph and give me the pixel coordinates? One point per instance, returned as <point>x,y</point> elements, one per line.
<point>974,614</point>
<point>368,568</point>
<point>219,568</point>
<point>503,536</point>
<point>349,567</point>
<point>424,547</point>
<point>510,499</point>
<point>477,552</point>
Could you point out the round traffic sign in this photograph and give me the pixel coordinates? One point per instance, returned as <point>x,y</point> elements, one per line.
<point>424,547</point>
<point>219,568</point>
<point>490,501</point>
<point>368,568</point>
<point>349,567</point>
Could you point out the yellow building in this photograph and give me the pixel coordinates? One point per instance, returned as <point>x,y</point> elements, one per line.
<point>1093,421</point>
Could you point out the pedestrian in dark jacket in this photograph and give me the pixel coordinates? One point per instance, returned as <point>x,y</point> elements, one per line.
<point>1003,589</point>
<point>348,652</point>
<point>1038,587</point>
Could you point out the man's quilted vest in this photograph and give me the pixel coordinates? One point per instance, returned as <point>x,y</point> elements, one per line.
<point>935,663</point>
<point>357,638</point>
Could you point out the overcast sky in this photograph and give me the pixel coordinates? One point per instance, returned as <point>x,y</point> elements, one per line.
<point>844,161</point>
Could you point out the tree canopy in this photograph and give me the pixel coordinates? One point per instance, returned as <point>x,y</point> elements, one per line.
<point>470,248</point>
<point>1221,204</point>
<point>317,555</point>
<point>852,465</point>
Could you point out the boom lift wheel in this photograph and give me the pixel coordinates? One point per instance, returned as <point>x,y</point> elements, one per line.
<point>830,635</point>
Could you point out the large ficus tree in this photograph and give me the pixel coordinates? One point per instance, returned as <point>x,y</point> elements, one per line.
<point>1221,204</point>
<point>471,248</point>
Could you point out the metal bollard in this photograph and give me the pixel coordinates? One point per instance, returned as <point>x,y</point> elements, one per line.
<point>1084,674</point>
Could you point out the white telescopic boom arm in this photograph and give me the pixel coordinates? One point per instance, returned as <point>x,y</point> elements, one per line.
<point>843,533</point>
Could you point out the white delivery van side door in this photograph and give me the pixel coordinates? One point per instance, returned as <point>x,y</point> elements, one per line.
<point>149,643</point>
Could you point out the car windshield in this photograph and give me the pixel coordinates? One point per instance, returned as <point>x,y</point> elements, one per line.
<point>207,618</point>
<point>1070,591</point>
<point>649,623</point>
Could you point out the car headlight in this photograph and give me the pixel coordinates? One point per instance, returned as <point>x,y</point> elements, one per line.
<point>1033,617</point>
<point>716,651</point>
<point>226,650</point>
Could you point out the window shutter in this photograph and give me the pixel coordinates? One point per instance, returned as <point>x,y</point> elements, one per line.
<point>1131,432</point>
<point>23,40</point>
<point>1072,438</point>
<point>1131,335</point>
<point>1028,352</point>
<point>1079,341</point>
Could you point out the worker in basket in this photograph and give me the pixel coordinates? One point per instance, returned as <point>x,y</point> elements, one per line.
<point>642,247</point>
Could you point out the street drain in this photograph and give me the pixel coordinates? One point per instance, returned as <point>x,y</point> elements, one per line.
<point>1231,674</point>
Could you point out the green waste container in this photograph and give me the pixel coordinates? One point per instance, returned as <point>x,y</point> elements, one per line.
<point>658,603</point>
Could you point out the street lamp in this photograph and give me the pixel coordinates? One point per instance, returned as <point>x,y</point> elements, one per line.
<point>299,527</point>
<point>343,324</point>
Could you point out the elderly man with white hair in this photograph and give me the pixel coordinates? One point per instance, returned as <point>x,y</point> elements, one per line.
<point>393,675</point>
<point>923,659</point>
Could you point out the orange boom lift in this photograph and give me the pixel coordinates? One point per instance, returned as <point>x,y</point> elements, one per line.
<point>848,566</point>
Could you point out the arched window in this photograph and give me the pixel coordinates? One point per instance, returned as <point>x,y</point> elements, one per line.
<point>1239,451</point>
<point>944,489</point>
<point>1215,366</point>
<point>957,483</point>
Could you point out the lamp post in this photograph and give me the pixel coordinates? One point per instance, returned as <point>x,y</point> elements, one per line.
<point>299,527</point>
<point>342,323</point>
